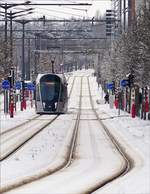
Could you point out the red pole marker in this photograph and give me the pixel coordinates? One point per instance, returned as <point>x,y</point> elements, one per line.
<point>116,103</point>
<point>11,105</point>
<point>147,105</point>
<point>24,104</point>
<point>31,99</point>
<point>133,110</point>
<point>11,110</point>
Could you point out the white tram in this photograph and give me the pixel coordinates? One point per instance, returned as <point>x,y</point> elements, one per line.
<point>51,94</point>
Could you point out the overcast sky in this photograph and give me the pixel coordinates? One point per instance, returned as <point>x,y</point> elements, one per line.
<point>66,11</point>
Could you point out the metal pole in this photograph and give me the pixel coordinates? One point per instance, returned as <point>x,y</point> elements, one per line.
<point>28,64</point>
<point>11,40</point>
<point>5,23</point>
<point>35,58</point>
<point>23,101</point>
<point>6,108</point>
<point>52,61</point>
<point>23,63</point>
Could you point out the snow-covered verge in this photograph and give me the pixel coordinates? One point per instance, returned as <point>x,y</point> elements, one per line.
<point>134,135</point>
<point>19,117</point>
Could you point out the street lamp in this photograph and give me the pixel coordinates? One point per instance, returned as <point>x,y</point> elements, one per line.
<point>11,16</point>
<point>52,61</point>
<point>23,22</point>
<point>6,7</point>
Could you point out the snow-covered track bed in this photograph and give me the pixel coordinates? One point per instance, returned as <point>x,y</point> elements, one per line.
<point>12,140</point>
<point>6,131</point>
<point>97,159</point>
<point>63,158</point>
<point>127,160</point>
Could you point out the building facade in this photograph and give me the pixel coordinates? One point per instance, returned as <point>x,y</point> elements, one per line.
<point>125,12</point>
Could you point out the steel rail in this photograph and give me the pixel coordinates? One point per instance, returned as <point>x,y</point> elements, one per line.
<point>24,123</point>
<point>16,147</point>
<point>127,159</point>
<point>18,127</point>
<point>65,164</point>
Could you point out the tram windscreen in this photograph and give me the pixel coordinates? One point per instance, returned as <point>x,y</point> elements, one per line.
<point>50,88</point>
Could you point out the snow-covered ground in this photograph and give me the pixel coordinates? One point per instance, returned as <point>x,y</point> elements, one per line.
<point>19,116</point>
<point>133,134</point>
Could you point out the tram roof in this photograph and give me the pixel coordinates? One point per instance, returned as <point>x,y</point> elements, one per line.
<point>61,75</point>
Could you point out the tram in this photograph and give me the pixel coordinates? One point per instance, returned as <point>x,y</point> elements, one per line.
<point>51,94</point>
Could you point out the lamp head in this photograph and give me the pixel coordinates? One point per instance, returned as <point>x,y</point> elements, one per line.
<point>27,2</point>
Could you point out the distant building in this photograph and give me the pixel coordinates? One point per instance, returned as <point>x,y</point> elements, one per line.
<point>125,11</point>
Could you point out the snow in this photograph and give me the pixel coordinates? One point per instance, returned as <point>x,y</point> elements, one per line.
<point>134,134</point>
<point>19,117</point>
<point>93,153</point>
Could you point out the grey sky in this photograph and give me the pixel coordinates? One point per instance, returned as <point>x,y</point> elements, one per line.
<point>66,11</point>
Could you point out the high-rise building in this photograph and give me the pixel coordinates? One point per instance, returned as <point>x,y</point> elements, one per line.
<point>125,11</point>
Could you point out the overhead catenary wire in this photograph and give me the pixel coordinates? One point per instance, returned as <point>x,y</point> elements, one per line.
<point>56,11</point>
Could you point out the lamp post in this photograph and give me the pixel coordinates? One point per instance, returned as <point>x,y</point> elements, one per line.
<point>52,61</point>
<point>23,22</point>
<point>11,16</point>
<point>6,7</point>
<point>23,68</point>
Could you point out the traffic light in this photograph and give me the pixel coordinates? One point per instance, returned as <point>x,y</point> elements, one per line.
<point>11,77</point>
<point>44,20</point>
<point>130,80</point>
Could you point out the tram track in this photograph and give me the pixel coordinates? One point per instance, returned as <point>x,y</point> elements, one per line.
<point>58,166</point>
<point>129,163</point>
<point>28,120</point>
<point>19,126</point>
<point>76,159</point>
<point>70,155</point>
<point>16,138</point>
<point>10,139</point>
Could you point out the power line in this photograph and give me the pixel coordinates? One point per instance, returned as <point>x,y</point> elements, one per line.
<point>68,13</point>
<point>67,20</point>
<point>66,38</point>
<point>46,30</point>
<point>51,4</point>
